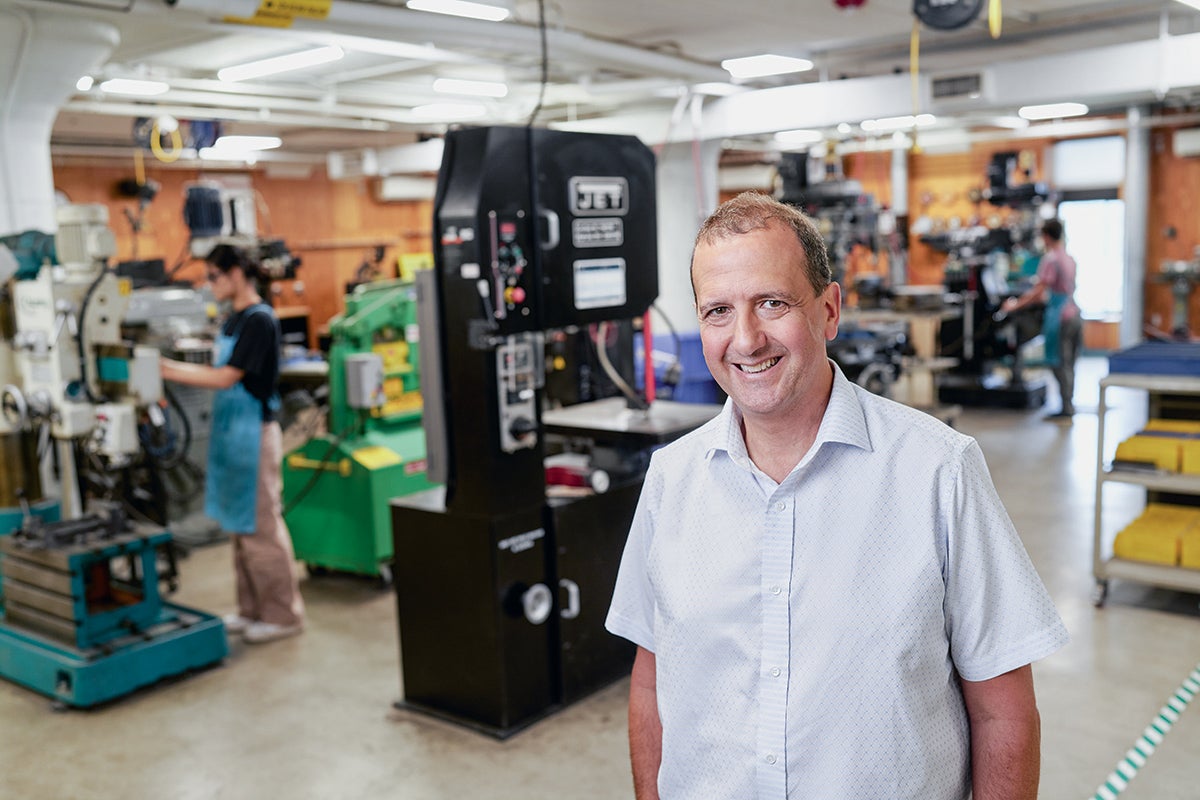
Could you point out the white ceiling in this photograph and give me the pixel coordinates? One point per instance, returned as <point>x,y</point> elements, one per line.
<point>606,57</point>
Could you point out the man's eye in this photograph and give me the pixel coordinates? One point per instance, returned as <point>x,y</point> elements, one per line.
<point>716,314</point>
<point>774,308</point>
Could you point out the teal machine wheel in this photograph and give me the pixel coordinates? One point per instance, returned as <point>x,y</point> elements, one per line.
<point>83,620</point>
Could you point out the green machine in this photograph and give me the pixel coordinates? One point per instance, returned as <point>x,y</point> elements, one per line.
<point>336,486</point>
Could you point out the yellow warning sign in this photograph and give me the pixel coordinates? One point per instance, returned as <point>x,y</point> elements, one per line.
<point>309,9</point>
<point>280,13</point>
<point>262,20</point>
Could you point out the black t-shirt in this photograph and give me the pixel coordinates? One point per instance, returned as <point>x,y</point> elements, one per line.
<point>256,353</point>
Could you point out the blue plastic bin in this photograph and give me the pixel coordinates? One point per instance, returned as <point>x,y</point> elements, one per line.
<point>696,384</point>
<point>1158,358</point>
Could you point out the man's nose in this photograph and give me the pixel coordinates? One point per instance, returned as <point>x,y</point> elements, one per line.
<point>748,333</point>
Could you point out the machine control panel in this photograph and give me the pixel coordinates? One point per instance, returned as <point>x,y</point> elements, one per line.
<point>518,368</point>
<point>509,264</point>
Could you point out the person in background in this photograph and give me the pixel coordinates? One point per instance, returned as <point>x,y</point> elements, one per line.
<point>1062,326</point>
<point>243,486</point>
<point>827,597</point>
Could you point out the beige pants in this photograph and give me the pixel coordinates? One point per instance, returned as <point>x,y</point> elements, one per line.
<point>263,561</point>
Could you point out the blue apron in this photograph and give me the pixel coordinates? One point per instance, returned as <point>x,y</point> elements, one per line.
<point>231,491</point>
<point>1051,324</point>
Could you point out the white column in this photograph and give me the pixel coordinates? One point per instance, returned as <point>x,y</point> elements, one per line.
<point>1136,193</point>
<point>687,193</point>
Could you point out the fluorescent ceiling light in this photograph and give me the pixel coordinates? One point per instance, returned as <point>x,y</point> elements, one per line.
<point>716,89</point>
<point>239,148</point>
<point>472,88</point>
<point>84,83</point>
<point>1193,3</point>
<point>277,64</point>
<point>767,64</point>
<point>449,112</point>
<point>889,124</point>
<point>1008,121</point>
<point>213,154</point>
<point>844,128</point>
<point>460,8</point>
<point>244,144</point>
<point>799,137</point>
<point>134,87</point>
<point>1052,111</point>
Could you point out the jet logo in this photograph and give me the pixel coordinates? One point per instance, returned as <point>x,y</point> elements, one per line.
<point>599,196</point>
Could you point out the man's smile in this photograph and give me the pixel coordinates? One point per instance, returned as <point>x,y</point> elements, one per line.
<point>762,366</point>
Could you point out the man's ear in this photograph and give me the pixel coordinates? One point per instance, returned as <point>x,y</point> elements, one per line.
<point>831,301</point>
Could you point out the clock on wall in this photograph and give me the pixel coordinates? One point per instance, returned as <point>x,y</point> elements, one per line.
<point>947,15</point>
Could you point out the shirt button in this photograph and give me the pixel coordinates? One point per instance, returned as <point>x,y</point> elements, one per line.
<point>771,759</point>
<point>775,590</point>
<point>774,672</point>
<point>781,505</point>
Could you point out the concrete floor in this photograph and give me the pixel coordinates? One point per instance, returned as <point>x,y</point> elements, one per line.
<point>312,717</point>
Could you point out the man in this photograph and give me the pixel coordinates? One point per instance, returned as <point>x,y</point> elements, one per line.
<point>828,598</point>
<point>1062,328</point>
<point>243,484</point>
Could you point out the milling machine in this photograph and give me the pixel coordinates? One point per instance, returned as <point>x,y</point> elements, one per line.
<point>84,620</point>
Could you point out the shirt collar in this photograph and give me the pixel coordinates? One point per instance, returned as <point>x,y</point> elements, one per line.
<point>843,423</point>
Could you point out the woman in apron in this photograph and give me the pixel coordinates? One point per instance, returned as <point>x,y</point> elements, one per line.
<point>1062,327</point>
<point>242,491</point>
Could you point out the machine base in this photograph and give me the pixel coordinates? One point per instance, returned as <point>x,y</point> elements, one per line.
<point>991,392</point>
<point>496,732</point>
<point>183,639</point>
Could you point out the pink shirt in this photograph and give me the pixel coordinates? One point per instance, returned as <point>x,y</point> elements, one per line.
<point>1057,271</point>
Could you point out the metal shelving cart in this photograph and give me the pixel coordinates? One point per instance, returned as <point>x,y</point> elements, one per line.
<point>1104,569</point>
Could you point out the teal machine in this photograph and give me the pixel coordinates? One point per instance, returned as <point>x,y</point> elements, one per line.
<point>336,486</point>
<point>82,614</point>
<point>84,620</point>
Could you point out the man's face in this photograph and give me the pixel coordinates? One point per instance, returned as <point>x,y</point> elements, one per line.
<point>762,329</point>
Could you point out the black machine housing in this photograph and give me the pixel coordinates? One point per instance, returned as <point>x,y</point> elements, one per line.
<point>502,595</point>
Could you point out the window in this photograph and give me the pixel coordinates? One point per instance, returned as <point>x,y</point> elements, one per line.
<point>1094,235</point>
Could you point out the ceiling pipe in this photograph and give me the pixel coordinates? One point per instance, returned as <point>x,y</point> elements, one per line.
<point>387,22</point>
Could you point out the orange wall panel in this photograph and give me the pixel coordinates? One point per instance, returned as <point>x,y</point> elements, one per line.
<point>1173,228</point>
<point>333,226</point>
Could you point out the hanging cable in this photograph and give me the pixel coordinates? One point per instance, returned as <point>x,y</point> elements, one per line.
<point>673,373</point>
<point>79,336</point>
<point>600,340</point>
<point>166,156</point>
<point>545,63</point>
<point>914,49</point>
<point>995,18</point>
<point>319,469</point>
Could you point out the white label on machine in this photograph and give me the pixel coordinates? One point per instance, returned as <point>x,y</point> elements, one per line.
<point>522,541</point>
<point>607,232</point>
<point>469,271</point>
<point>600,282</point>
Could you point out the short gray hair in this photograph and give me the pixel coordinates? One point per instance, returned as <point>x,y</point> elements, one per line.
<point>751,211</point>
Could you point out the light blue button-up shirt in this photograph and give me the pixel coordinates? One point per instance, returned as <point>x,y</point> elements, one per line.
<point>809,635</point>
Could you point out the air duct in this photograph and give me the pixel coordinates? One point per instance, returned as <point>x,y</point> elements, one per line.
<point>42,55</point>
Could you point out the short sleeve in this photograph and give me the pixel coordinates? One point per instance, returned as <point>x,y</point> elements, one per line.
<point>256,345</point>
<point>999,615</point>
<point>631,614</point>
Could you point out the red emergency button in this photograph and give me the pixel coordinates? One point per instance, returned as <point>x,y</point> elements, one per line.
<point>514,295</point>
